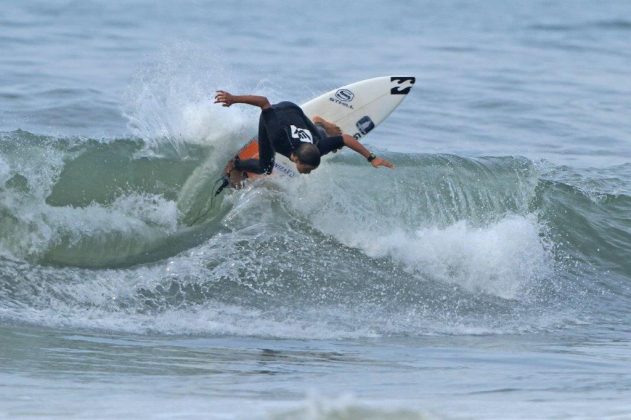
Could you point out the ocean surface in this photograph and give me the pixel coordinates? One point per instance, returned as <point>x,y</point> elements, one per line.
<point>487,277</point>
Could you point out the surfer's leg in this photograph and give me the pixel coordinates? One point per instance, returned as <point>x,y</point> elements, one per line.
<point>265,163</point>
<point>267,123</point>
<point>330,128</point>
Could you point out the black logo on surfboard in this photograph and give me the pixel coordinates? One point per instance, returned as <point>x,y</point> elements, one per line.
<point>365,125</point>
<point>403,85</point>
<point>344,95</point>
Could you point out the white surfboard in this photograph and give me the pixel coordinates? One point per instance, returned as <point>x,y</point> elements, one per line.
<point>356,108</point>
<point>359,107</point>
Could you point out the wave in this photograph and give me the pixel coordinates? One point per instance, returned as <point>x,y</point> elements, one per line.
<point>123,234</point>
<point>84,202</point>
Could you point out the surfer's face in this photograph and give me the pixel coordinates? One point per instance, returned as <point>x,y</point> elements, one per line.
<point>303,168</point>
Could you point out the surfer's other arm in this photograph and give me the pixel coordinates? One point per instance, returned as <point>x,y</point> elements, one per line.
<point>227,99</point>
<point>352,143</point>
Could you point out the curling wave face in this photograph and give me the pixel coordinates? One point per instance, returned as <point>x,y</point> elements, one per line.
<point>103,234</point>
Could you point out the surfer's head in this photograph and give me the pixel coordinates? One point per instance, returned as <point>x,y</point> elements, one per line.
<point>306,157</point>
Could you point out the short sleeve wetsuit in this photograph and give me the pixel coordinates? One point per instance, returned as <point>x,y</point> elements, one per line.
<point>282,128</point>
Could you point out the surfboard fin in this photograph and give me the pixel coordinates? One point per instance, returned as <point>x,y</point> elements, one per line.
<point>224,184</point>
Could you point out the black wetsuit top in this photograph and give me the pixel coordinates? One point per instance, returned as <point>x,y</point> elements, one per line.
<point>282,128</point>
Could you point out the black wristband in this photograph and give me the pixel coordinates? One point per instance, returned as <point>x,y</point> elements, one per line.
<point>371,157</point>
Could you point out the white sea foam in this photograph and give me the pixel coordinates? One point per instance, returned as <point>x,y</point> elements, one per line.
<point>96,308</point>
<point>170,102</point>
<point>349,407</point>
<point>502,258</point>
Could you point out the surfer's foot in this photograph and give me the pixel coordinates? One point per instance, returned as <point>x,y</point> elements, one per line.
<point>229,167</point>
<point>330,128</point>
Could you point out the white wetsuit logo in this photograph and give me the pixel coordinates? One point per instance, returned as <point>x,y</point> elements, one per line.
<point>301,134</point>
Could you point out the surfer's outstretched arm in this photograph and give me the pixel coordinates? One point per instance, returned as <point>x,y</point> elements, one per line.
<point>227,99</point>
<point>353,144</point>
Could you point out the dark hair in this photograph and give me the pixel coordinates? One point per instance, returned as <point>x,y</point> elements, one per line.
<point>308,154</point>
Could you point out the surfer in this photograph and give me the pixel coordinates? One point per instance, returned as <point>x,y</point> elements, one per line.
<point>284,128</point>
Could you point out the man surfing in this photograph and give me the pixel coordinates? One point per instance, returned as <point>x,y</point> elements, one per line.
<point>284,128</point>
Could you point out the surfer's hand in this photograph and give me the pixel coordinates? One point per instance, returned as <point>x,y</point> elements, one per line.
<point>224,98</point>
<point>377,162</point>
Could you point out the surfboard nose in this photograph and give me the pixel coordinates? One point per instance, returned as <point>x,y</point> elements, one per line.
<point>402,84</point>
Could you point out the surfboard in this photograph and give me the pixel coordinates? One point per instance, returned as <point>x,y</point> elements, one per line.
<point>356,108</point>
